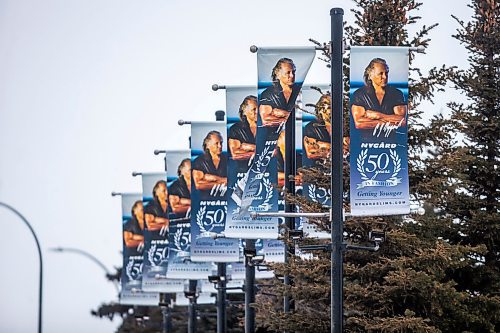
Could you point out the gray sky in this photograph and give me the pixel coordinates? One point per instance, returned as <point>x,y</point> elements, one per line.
<point>88,89</point>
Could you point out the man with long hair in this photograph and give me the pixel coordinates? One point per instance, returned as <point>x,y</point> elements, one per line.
<point>377,103</point>
<point>210,168</point>
<point>179,192</point>
<point>277,101</point>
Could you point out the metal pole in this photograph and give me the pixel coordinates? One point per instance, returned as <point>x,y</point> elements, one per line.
<point>167,322</point>
<point>221,298</point>
<point>165,310</point>
<point>40,276</point>
<point>249,290</point>
<point>336,180</point>
<point>89,256</point>
<point>192,307</point>
<point>164,297</point>
<point>290,171</point>
<point>221,271</point>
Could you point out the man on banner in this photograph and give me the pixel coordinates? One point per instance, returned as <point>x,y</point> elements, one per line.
<point>275,105</point>
<point>133,231</point>
<point>133,253</point>
<point>377,105</point>
<point>179,192</point>
<point>318,132</point>
<point>379,161</point>
<point>241,136</point>
<point>316,143</point>
<point>281,73</point>
<point>156,211</point>
<point>277,101</point>
<point>209,203</point>
<point>210,168</point>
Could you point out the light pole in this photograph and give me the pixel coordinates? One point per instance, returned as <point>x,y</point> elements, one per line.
<point>337,213</point>
<point>40,278</point>
<point>91,257</point>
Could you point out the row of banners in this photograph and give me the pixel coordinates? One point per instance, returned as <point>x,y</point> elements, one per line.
<point>198,212</point>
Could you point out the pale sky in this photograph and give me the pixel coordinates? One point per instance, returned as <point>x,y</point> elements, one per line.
<point>90,88</point>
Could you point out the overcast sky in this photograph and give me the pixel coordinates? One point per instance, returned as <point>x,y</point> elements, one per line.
<point>90,88</point>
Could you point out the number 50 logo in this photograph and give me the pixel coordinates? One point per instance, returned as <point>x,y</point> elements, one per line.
<point>376,164</point>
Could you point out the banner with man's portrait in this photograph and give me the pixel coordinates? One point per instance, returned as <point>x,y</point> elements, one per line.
<point>208,194</point>
<point>316,146</point>
<point>133,249</point>
<point>281,72</point>
<point>156,249</point>
<point>241,115</point>
<point>379,131</point>
<point>179,181</point>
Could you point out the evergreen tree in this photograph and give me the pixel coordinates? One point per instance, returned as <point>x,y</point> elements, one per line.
<point>469,200</point>
<point>414,283</point>
<point>476,206</point>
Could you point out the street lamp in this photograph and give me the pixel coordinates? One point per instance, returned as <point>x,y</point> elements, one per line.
<point>91,257</point>
<point>40,278</point>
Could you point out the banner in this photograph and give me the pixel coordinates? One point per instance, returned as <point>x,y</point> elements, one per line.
<point>236,271</point>
<point>379,131</point>
<point>208,194</point>
<point>203,294</point>
<point>241,114</point>
<point>181,299</point>
<point>203,298</point>
<point>138,297</point>
<point>269,249</point>
<point>273,250</point>
<point>316,146</point>
<point>281,73</point>
<point>156,249</point>
<point>236,286</point>
<point>206,286</point>
<point>179,181</point>
<point>133,246</point>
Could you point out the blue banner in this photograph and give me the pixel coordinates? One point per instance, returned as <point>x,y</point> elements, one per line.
<point>208,194</point>
<point>316,144</point>
<point>156,249</point>
<point>241,114</point>
<point>133,249</point>
<point>379,131</point>
<point>281,73</point>
<point>179,181</point>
